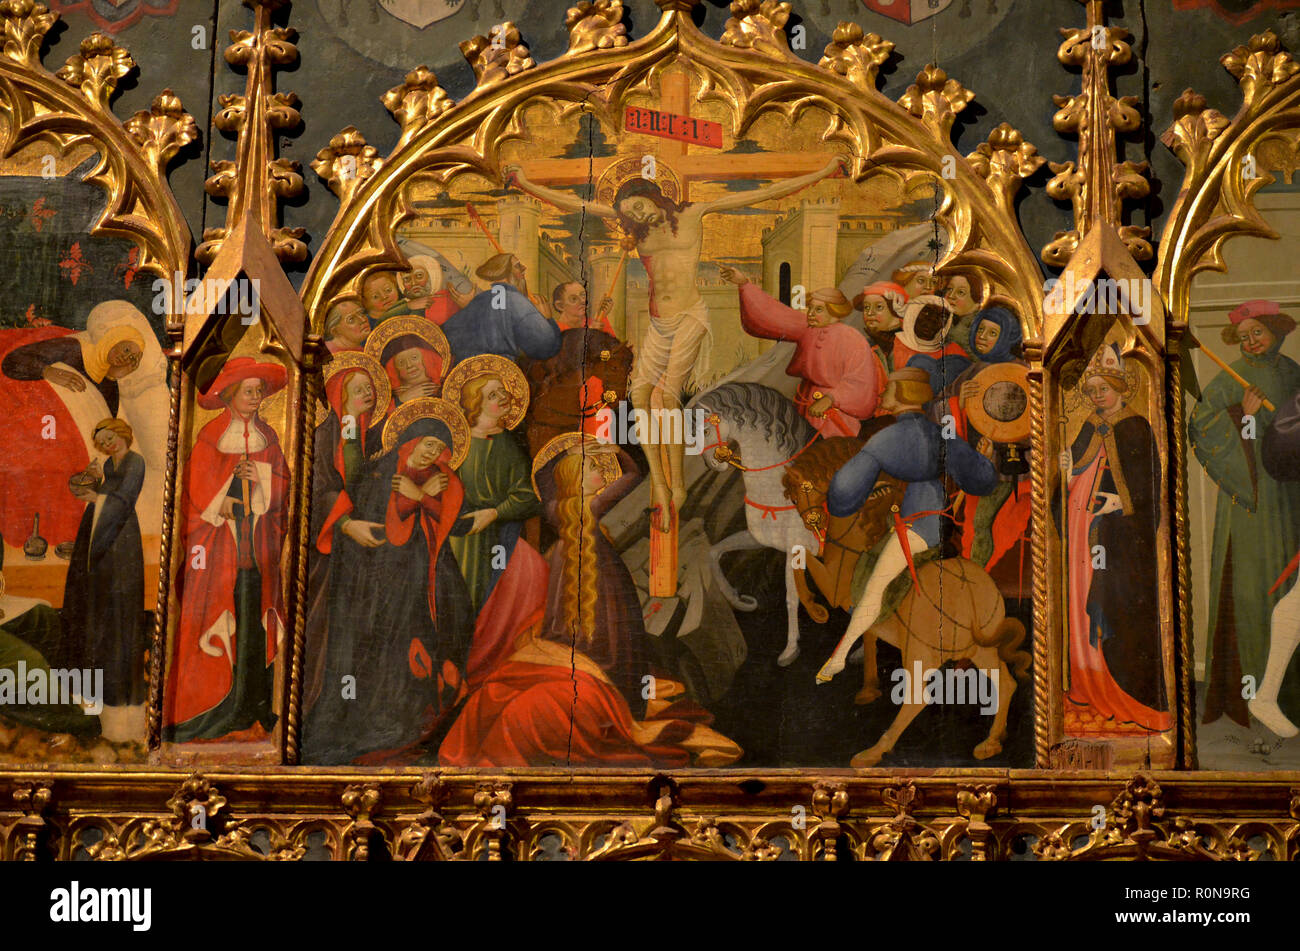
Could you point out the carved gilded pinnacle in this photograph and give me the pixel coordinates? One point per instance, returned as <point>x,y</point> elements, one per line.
<point>97,68</point>
<point>276,45</point>
<point>162,130</point>
<point>936,100</point>
<point>25,26</point>
<point>856,56</point>
<point>1259,67</point>
<point>497,56</point>
<point>758,25</point>
<point>595,25</point>
<point>257,180</point>
<point>346,162</point>
<point>1195,128</point>
<point>1098,184</point>
<point>1005,161</point>
<point>419,100</point>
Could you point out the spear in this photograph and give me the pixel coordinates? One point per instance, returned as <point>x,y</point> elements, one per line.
<point>1227,369</point>
<point>474,217</point>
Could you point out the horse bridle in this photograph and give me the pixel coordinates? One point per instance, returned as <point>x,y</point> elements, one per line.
<point>814,517</point>
<point>724,453</point>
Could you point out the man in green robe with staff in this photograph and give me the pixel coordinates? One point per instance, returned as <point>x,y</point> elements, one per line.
<point>1257,517</point>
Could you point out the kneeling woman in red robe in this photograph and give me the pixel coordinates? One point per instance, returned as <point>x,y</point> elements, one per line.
<point>545,672</point>
<point>232,609</point>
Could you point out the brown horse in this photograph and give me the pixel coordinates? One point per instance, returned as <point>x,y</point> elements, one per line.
<point>805,484</point>
<point>953,611</point>
<point>556,403</point>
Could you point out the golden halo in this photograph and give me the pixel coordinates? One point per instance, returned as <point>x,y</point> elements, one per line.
<point>626,169</point>
<point>491,364</point>
<point>394,327</point>
<point>567,442</point>
<point>430,407</point>
<point>357,359</point>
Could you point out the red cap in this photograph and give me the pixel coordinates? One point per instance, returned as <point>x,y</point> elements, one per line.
<point>238,370</point>
<point>1255,309</point>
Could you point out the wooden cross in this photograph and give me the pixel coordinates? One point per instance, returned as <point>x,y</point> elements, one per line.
<point>698,166</point>
<point>689,166</point>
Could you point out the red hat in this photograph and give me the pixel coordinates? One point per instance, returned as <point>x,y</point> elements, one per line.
<point>891,292</point>
<point>1267,312</point>
<point>1255,309</point>
<point>239,369</point>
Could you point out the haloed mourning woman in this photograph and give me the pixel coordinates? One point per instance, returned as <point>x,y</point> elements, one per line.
<point>493,395</point>
<point>1116,666</point>
<point>1257,518</point>
<point>103,613</point>
<point>414,354</point>
<point>561,684</point>
<point>592,603</point>
<point>235,491</point>
<point>399,619</point>
<point>357,393</point>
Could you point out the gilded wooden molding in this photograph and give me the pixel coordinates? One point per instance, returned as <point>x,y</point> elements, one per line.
<point>257,180</point>
<point>553,815</point>
<point>1098,184</point>
<point>1223,169</point>
<point>1005,161</point>
<point>497,56</point>
<point>595,25</point>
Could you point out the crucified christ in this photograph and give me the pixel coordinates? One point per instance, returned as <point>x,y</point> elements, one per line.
<point>668,239</point>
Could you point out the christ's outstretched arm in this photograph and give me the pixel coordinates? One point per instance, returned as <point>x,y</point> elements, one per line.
<point>777,189</point>
<point>565,201</point>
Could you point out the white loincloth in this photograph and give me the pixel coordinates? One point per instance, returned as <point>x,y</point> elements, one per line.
<point>675,352</point>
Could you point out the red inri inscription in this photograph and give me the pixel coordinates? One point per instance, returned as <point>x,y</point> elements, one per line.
<point>668,125</point>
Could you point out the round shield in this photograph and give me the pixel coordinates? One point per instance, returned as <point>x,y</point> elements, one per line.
<point>1000,408</point>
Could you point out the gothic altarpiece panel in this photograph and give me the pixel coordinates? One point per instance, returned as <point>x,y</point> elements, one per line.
<point>672,452</point>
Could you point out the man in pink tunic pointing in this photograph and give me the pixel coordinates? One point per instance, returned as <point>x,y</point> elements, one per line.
<point>837,370</point>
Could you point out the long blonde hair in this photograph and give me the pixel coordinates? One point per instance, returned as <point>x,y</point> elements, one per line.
<point>578,533</point>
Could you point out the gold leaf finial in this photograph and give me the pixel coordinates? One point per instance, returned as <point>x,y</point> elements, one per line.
<point>856,56</point>
<point>1005,161</point>
<point>97,68</point>
<point>497,56</point>
<point>758,25</point>
<point>595,25</point>
<point>419,100</point>
<point>162,130</point>
<point>1098,184</point>
<point>1259,66</point>
<point>25,26</point>
<point>936,100</point>
<point>1195,127</point>
<point>257,180</point>
<point>346,162</point>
